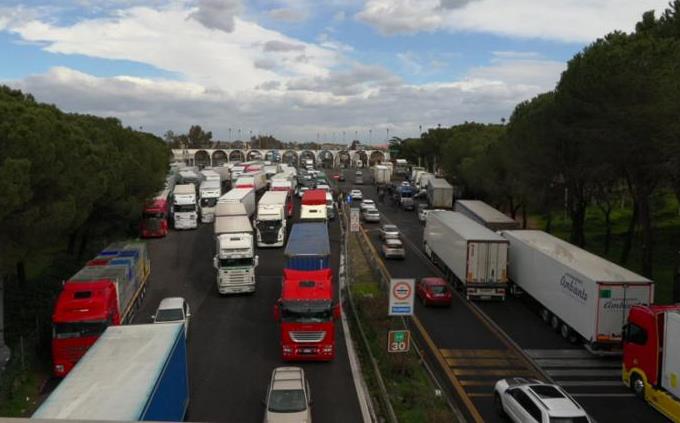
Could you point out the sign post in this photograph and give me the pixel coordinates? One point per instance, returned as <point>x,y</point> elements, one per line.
<point>401,297</point>
<point>398,341</point>
<point>354,220</point>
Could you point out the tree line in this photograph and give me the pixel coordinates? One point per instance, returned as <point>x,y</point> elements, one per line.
<point>68,178</point>
<point>611,126</point>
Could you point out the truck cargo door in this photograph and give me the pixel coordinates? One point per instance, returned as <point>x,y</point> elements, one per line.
<point>614,303</point>
<point>478,259</point>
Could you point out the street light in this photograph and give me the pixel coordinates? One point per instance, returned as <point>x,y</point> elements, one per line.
<point>229,134</point>
<point>370,136</point>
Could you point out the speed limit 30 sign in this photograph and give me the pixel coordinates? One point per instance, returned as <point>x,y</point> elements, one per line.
<point>398,341</point>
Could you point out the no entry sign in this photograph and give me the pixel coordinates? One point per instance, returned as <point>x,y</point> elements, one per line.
<point>401,297</point>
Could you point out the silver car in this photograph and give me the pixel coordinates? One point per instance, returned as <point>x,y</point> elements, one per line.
<point>389,232</point>
<point>288,397</point>
<point>393,248</point>
<point>371,215</point>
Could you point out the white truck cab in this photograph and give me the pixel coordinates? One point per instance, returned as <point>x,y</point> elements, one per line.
<point>235,260</point>
<point>210,192</point>
<point>270,224</point>
<point>185,210</point>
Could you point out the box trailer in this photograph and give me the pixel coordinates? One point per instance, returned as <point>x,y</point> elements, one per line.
<point>381,174</point>
<point>132,373</point>
<point>230,209</point>
<point>471,256</point>
<point>486,215</point>
<point>308,247</point>
<point>245,196</point>
<point>439,193</point>
<point>581,295</point>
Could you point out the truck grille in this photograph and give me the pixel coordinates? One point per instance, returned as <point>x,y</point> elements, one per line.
<point>238,278</point>
<point>308,336</point>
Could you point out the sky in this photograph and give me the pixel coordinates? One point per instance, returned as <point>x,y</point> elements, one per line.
<point>301,70</point>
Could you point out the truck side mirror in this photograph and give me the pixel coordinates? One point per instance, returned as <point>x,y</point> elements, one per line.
<point>337,312</point>
<point>257,260</point>
<point>215,262</point>
<point>277,312</point>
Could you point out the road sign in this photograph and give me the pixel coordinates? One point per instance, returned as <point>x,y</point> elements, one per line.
<point>354,220</point>
<point>401,297</point>
<point>398,341</point>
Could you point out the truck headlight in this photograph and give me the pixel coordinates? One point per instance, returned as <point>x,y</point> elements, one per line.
<point>287,350</point>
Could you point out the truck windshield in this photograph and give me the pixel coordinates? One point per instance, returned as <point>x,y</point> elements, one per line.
<point>150,215</point>
<point>232,262</point>
<point>184,208</point>
<point>78,329</point>
<point>287,401</point>
<point>269,225</point>
<point>306,311</point>
<point>208,202</point>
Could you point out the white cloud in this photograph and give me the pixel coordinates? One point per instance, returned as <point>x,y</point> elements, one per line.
<point>217,14</point>
<point>253,77</point>
<point>168,39</point>
<point>562,20</point>
<point>358,98</point>
<point>286,14</point>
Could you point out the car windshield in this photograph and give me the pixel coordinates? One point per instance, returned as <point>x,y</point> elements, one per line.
<point>79,329</point>
<point>169,315</point>
<point>287,401</point>
<point>393,243</point>
<point>372,211</point>
<point>579,419</point>
<point>306,311</point>
<point>390,228</point>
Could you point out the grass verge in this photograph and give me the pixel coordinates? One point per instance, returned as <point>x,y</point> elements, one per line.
<point>410,390</point>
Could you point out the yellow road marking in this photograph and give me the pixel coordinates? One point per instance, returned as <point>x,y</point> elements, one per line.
<point>492,372</point>
<point>483,362</point>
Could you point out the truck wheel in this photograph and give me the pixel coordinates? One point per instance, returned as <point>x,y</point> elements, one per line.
<point>565,331</point>
<point>545,315</point>
<point>637,385</point>
<point>555,323</point>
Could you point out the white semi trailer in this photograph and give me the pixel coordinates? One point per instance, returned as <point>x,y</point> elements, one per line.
<point>470,255</point>
<point>579,294</point>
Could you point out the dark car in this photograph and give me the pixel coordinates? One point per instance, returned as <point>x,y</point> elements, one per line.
<point>434,291</point>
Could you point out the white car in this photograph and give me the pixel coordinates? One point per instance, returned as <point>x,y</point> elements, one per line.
<point>356,194</point>
<point>367,204</point>
<point>173,310</point>
<point>371,215</point>
<point>288,397</point>
<point>532,401</point>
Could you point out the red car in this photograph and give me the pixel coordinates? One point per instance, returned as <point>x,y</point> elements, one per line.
<point>434,291</point>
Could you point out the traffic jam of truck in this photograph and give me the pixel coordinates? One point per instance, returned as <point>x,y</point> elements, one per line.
<point>113,369</point>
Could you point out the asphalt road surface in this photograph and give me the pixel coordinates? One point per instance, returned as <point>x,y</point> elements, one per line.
<point>233,340</point>
<point>478,356</point>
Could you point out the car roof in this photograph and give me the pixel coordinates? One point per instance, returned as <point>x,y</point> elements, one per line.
<point>390,227</point>
<point>368,200</point>
<point>392,241</point>
<point>171,303</point>
<point>288,378</point>
<point>554,400</point>
<point>371,209</point>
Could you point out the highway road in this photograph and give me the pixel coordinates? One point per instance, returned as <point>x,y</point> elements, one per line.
<point>233,340</point>
<point>478,355</point>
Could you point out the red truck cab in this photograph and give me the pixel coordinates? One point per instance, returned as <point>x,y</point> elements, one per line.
<point>307,315</point>
<point>84,309</point>
<point>651,356</point>
<point>155,217</point>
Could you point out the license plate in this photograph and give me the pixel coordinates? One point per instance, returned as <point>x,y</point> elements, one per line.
<point>307,350</point>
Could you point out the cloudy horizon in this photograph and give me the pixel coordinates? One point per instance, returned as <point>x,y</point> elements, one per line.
<point>300,70</point>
